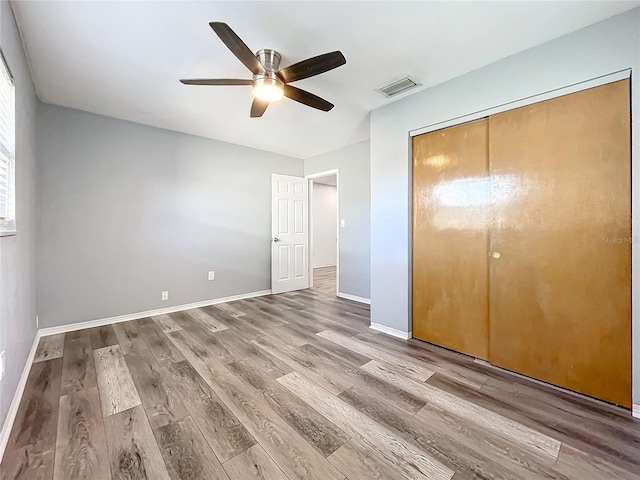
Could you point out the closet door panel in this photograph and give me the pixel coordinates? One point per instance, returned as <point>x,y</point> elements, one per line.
<point>450,221</point>
<point>560,296</point>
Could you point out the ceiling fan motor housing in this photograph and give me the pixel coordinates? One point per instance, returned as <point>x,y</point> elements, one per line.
<point>270,60</point>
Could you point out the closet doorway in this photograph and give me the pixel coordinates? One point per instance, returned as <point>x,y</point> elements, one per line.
<point>521,240</point>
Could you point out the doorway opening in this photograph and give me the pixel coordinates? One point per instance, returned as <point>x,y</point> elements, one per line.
<point>324,262</point>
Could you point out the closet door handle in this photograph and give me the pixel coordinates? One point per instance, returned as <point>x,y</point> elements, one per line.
<point>494,254</point>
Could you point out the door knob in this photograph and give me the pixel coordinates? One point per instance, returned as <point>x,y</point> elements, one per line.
<point>276,239</point>
<point>494,254</point>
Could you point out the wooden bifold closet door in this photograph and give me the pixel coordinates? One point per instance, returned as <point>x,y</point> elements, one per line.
<point>450,240</point>
<point>557,220</point>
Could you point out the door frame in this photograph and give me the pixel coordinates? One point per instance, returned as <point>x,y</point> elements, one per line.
<point>310,177</point>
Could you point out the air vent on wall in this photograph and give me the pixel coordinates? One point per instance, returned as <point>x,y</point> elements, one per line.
<point>398,87</point>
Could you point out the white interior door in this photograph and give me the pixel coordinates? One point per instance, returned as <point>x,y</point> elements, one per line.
<point>289,233</point>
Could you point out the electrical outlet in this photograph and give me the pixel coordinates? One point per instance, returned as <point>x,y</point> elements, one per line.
<point>212,275</point>
<point>342,223</point>
<point>1,365</point>
<point>165,295</point>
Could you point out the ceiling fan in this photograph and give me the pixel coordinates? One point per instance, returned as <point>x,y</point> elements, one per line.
<point>270,83</point>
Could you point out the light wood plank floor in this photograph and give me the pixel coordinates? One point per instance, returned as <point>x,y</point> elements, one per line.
<point>324,280</point>
<point>296,386</point>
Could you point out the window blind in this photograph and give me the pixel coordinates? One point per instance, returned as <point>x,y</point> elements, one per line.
<point>7,150</point>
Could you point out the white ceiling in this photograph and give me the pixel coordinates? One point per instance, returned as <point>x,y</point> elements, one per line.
<point>124,59</point>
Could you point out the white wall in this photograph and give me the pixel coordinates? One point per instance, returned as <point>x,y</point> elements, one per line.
<point>352,162</point>
<point>325,205</point>
<point>18,253</point>
<point>128,211</point>
<point>600,49</point>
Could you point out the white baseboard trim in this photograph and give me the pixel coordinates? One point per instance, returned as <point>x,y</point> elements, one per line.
<point>17,397</point>
<point>391,331</point>
<point>636,411</point>
<point>134,316</point>
<point>355,298</point>
<point>324,266</point>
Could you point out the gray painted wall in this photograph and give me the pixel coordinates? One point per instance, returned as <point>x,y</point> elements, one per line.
<point>18,253</point>
<point>127,211</point>
<point>324,204</point>
<point>597,50</point>
<point>355,208</point>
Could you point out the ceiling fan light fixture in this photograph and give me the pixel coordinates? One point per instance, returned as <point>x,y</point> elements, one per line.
<point>268,89</point>
<point>270,83</point>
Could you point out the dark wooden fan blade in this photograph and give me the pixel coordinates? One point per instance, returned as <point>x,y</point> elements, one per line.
<point>312,66</point>
<point>217,81</point>
<point>307,98</point>
<point>258,107</point>
<point>237,47</point>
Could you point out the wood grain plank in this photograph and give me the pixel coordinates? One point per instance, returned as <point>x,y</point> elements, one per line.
<point>224,432</point>
<point>49,347</point>
<point>333,381</point>
<point>133,450</point>
<point>238,324</point>
<point>289,337</point>
<point>323,320</point>
<point>255,314</point>
<point>270,308</point>
<point>36,422</point>
<point>535,441</point>
<point>402,400</point>
<point>161,348</point>
<point>470,455</point>
<point>411,368</point>
<point>477,451</point>
<point>78,369</point>
<point>81,447</point>
<point>102,336</point>
<point>33,462</point>
<point>207,320</point>
<point>161,401</point>
<point>231,309</point>
<point>344,354</point>
<point>186,452</point>
<point>166,323</point>
<point>405,456</point>
<point>297,459</point>
<point>241,348</point>
<point>128,338</point>
<point>254,464</point>
<point>202,336</point>
<point>322,434</point>
<point>576,464</point>
<point>116,387</point>
<point>358,462</point>
<point>563,415</point>
<point>460,368</point>
<point>204,362</point>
